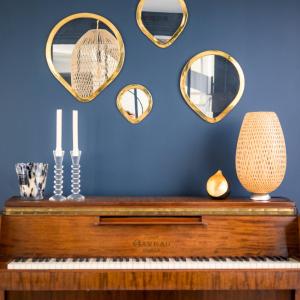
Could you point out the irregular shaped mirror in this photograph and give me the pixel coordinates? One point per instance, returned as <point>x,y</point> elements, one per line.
<point>162,21</point>
<point>134,102</point>
<point>85,52</point>
<point>212,83</point>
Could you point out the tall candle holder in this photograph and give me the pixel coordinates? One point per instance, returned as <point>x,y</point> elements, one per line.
<point>76,196</point>
<point>58,177</point>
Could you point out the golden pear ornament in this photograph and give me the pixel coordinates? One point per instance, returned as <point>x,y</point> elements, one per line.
<point>217,186</point>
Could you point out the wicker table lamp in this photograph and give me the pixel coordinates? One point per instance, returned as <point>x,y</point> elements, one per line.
<point>261,154</point>
<point>94,59</point>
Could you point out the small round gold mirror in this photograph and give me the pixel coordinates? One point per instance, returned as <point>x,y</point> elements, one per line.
<point>162,21</point>
<point>212,83</point>
<point>85,52</point>
<point>135,103</point>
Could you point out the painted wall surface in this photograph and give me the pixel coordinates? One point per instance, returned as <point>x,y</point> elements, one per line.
<point>173,151</point>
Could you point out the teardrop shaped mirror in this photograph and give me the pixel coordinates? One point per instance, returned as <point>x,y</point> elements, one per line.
<point>212,83</point>
<point>85,52</point>
<point>135,103</point>
<point>162,21</point>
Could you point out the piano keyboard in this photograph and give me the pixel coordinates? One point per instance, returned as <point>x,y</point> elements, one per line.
<point>278,262</point>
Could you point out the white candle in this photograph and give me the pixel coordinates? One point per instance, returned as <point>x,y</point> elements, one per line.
<point>75,133</point>
<point>58,149</point>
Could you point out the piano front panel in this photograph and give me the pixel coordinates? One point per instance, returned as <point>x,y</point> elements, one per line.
<point>90,236</point>
<point>153,295</point>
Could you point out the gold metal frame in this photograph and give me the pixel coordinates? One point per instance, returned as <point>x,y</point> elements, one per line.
<point>51,37</point>
<point>124,113</point>
<point>150,36</point>
<point>144,211</point>
<point>234,102</point>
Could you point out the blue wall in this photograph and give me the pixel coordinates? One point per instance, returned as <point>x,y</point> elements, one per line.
<point>173,151</point>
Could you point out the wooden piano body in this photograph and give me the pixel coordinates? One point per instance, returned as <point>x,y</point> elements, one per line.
<point>149,227</point>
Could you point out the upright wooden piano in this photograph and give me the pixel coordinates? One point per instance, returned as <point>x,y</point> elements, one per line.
<point>150,248</point>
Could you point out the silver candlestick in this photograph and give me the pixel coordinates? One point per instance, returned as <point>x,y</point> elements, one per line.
<point>76,196</point>
<point>58,177</point>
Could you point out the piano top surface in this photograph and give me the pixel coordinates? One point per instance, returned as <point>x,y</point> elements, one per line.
<point>146,205</point>
<point>150,201</point>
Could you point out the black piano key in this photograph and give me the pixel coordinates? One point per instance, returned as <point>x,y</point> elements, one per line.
<point>263,258</point>
<point>114,259</point>
<point>284,258</point>
<point>35,259</point>
<point>144,259</point>
<point>272,258</point>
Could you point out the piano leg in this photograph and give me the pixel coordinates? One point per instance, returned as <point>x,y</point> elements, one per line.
<point>2,295</point>
<point>297,295</point>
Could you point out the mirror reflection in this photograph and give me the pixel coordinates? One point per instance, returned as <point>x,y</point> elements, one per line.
<point>87,53</point>
<point>162,21</point>
<point>134,102</point>
<point>212,84</point>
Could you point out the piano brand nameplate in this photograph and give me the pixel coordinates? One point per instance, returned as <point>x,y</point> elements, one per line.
<point>139,206</point>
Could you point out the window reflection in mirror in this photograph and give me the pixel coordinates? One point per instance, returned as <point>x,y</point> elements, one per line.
<point>162,21</point>
<point>162,18</point>
<point>211,84</point>
<point>134,102</point>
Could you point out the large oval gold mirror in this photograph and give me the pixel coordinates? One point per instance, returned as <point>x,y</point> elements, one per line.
<point>85,52</point>
<point>135,103</point>
<point>212,83</point>
<point>162,21</point>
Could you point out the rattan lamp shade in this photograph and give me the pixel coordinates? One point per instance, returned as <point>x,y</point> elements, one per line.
<point>94,59</point>
<point>261,154</point>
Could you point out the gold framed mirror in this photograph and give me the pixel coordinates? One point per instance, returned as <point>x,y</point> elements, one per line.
<point>85,52</point>
<point>162,21</point>
<point>212,83</point>
<point>135,103</point>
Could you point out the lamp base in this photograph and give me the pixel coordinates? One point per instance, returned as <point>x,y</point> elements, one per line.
<point>260,197</point>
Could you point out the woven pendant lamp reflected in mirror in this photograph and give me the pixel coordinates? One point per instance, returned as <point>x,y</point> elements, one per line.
<point>261,154</point>
<point>94,59</point>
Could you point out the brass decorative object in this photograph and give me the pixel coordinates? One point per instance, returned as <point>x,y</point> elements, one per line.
<point>135,103</point>
<point>162,22</point>
<point>217,186</point>
<point>84,60</point>
<point>212,83</point>
<point>261,154</point>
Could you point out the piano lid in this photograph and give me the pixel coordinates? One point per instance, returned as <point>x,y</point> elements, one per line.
<point>152,206</point>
